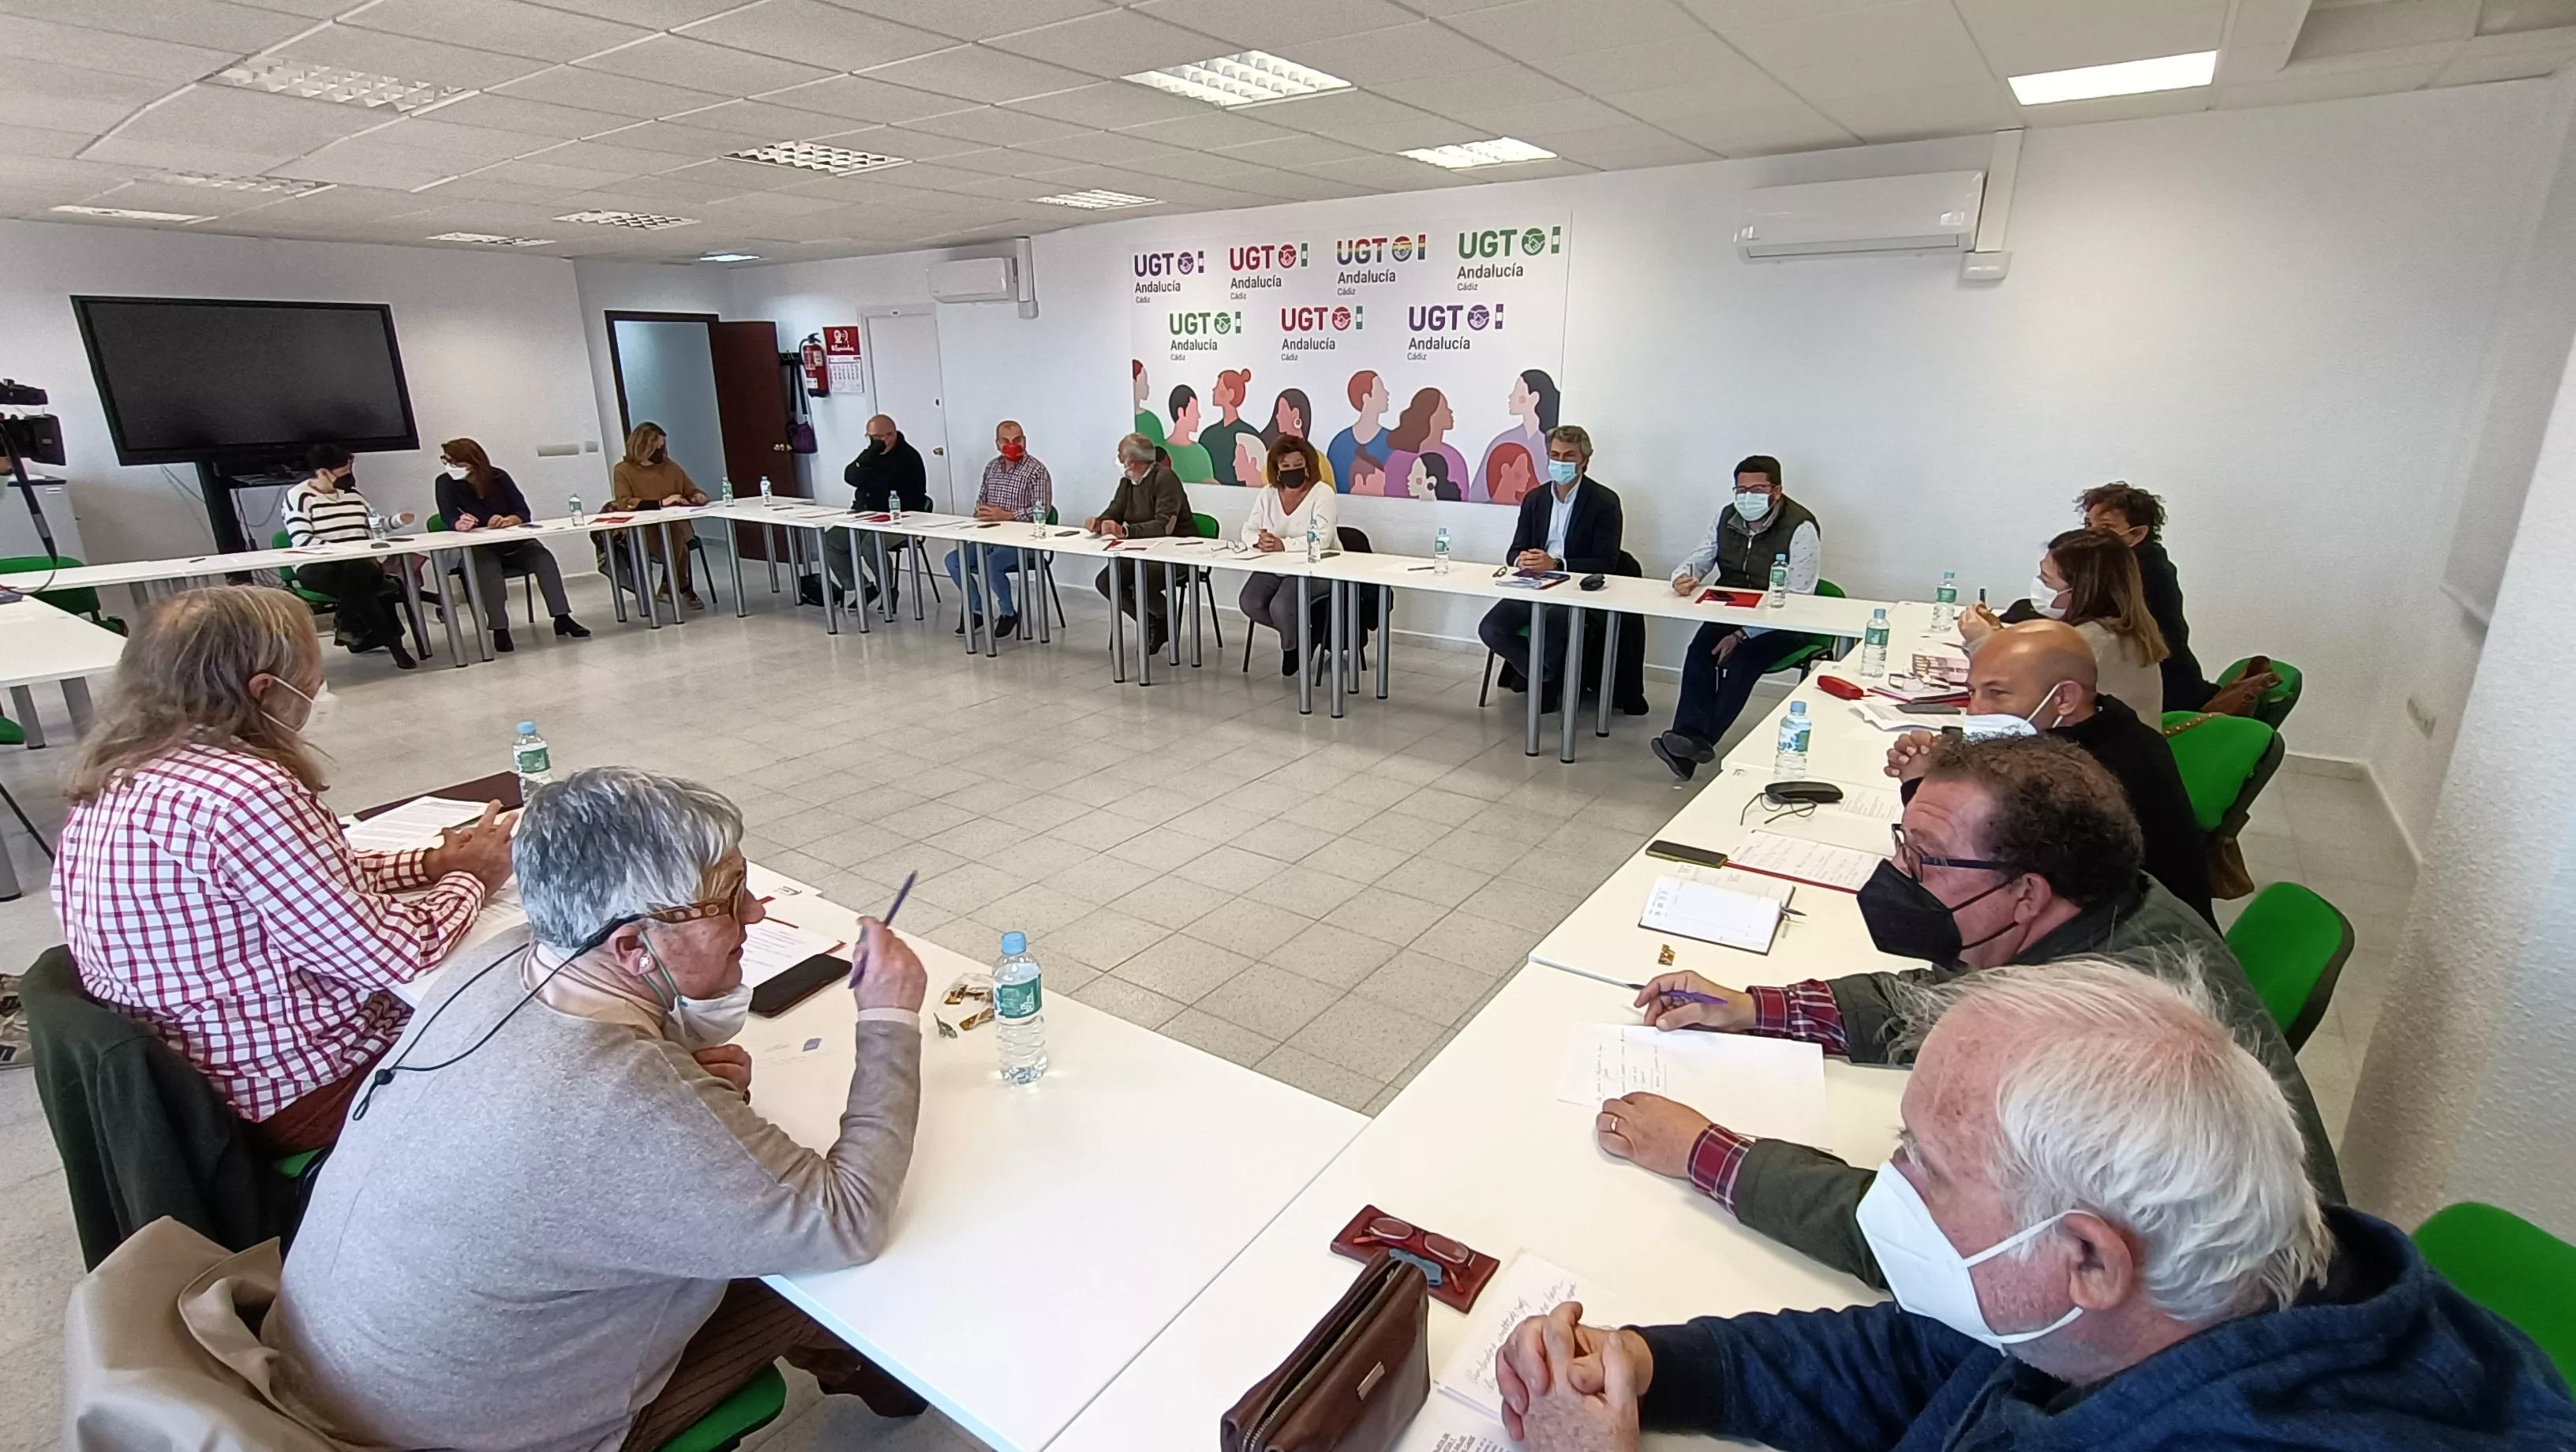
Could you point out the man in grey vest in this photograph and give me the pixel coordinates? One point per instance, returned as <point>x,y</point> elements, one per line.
<point>1759,525</point>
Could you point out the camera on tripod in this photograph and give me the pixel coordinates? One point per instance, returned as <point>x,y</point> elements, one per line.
<point>24,436</point>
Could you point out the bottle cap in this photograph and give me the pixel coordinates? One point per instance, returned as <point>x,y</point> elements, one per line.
<point>1797,708</point>
<point>1015,942</point>
<point>527,728</point>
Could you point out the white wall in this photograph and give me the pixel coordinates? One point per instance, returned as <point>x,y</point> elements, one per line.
<point>492,348</point>
<point>2276,318</point>
<point>2438,646</point>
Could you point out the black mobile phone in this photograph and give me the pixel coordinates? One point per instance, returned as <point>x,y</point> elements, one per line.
<point>1682,852</point>
<point>798,984</point>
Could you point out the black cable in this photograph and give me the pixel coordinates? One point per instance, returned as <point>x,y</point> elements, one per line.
<point>383,1076</point>
<point>21,814</point>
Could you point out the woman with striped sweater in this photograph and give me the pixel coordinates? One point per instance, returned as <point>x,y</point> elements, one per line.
<point>328,510</point>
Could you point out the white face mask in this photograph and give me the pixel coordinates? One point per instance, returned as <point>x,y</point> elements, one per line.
<point>1751,505</point>
<point>1926,1273</point>
<point>699,1023</point>
<point>319,708</point>
<point>2002,724</point>
<point>2043,596</point>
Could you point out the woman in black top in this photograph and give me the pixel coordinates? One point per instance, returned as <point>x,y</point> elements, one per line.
<point>473,495</point>
<point>2138,517</point>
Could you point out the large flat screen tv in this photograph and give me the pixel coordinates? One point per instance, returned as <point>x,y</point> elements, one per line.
<point>188,380</point>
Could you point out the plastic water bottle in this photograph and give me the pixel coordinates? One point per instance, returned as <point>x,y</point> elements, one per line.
<point>1873,646</point>
<point>1037,520</point>
<point>1945,601</point>
<point>768,495</point>
<point>1314,540</point>
<point>375,523</point>
<point>724,489</point>
<point>575,504</point>
<point>1440,551</point>
<point>1779,582</point>
<point>1791,763</point>
<point>529,757</point>
<point>1019,1016</point>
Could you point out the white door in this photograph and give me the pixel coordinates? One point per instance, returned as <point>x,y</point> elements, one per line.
<point>903,370</point>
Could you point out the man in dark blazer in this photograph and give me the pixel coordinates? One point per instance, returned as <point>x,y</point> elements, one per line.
<point>888,469</point>
<point>1572,525</point>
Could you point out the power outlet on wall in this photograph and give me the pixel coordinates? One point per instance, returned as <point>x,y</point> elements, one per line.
<point>2422,715</point>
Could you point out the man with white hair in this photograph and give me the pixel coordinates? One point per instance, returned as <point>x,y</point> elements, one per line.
<point>2099,1233</point>
<point>544,1222</point>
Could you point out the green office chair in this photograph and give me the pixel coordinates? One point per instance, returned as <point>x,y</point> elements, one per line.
<point>1798,659</point>
<point>2278,701</point>
<point>11,733</point>
<point>2224,760</point>
<point>736,1417</point>
<point>2513,1268</point>
<point>2293,944</point>
<point>1206,578</point>
<point>82,601</point>
<point>286,577</point>
<point>527,578</point>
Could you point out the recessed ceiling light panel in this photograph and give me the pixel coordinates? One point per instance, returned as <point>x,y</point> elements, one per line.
<point>811,156</point>
<point>281,185</point>
<point>730,257</point>
<point>130,214</point>
<point>330,83</point>
<point>1096,201</point>
<point>2127,78</point>
<point>492,239</point>
<point>646,221</point>
<point>1246,79</point>
<point>1480,153</point>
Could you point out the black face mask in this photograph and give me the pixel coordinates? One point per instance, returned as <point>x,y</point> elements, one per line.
<point>1292,478</point>
<point>1906,920</point>
<point>879,446</point>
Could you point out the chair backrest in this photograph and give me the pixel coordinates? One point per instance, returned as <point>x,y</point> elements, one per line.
<point>2293,944</point>
<point>2218,757</point>
<point>1629,569</point>
<point>437,522</point>
<point>1831,590</point>
<point>1355,541</point>
<point>2277,702</point>
<point>1206,524</point>
<point>2513,1268</point>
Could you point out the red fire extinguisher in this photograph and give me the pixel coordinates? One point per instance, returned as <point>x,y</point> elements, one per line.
<point>818,378</point>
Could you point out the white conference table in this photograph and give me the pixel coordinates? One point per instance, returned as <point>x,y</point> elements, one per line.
<point>41,644</point>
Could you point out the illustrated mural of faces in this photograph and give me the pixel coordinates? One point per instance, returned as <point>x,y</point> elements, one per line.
<point>1290,416</point>
<point>1429,479</point>
<point>1515,474</point>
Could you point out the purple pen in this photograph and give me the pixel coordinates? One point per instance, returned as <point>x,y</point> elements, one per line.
<point>900,894</point>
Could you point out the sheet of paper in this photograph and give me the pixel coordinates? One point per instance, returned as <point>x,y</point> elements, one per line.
<point>1768,1088</point>
<point>1527,1286</point>
<point>1735,911</point>
<point>771,947</point>
<point>1871,803</point>
<point>1823,863</point>
<point>1887,715</point>
<point>1445,1425</point>
<point>413,824</point>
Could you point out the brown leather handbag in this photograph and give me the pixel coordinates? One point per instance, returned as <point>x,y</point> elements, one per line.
<point>1356,1380</point>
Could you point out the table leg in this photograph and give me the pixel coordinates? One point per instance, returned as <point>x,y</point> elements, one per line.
<point>447,609</point>
<point>920,567</point>
<point>1191,591</point>
<point>970,603</point>
<point>823,581</point>
<point>733,549</point>
<point>1609,673</point>
<point>855,600</point>
<point>671,562</point>
<point>417,629</point>
<point>1172,612</point>
<point>1385,634</point>
<point>1573,687</point>
<point>474,607</point>
<point>9,888</point>
<point>25,700</point>
<point>1536,675</point>
<point>76,701</point>
<point>1145,651</point>
<point>1333,646</point>
<point>1041,591</point>
<point>613,542</point>
<point>984,578</point>
<point>643,577</point>
<point>769,540</point>
<point>1305,647</point>
<point>1117,625</point>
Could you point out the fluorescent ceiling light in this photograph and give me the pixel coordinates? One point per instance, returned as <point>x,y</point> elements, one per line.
<point>2127,78</point>
<point>330,83</point>
<point>648,221</point>
<point>1096,201</point>
<point>1481,153</point>
<point>489,239</point>
<point>812,156</point>
<point>1246,79</point>
<point>131,215</point>
<point>730,257</point>
<point>287,185</point>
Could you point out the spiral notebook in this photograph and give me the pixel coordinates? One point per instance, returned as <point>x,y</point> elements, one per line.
<point>1744,913</point>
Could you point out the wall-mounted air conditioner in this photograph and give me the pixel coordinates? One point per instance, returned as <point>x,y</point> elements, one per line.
<point>1936,211</point>
<point>973,279</point>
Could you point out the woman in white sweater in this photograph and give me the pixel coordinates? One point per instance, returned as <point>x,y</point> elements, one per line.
<point>2090,580</point>
<point>1296,498</point>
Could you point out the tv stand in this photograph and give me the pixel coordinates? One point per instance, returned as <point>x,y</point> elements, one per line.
<point>219,482</point>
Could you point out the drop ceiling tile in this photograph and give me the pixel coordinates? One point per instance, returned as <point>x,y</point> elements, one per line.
<point>1874,75</point>
<point>1389,174</point>
<point>208,23</point>
<point>2469,69</point>
<point>999,161</point>
<point>1450,92</point>
<point>77,178</point>
<point>32,141</point>
<point>73,100</point>
<point>1369,121</point>
<point>859,98</point>
<point>1207,128</point>
<point>932,177</point>
<point>1390,57</point>
<point>1294,151</point>
<point>2553,39</point>
<point>1726,16</point>
<point>344,204</point>
<point>1925,29</point>
<point>1760,130</point>
<point>744,182</point>
<point>592,90</point>
<point>813,226</point>
<point>566,178</point>
<point>679,61</point>
<point>481,188</point>
<point>1702,60</point>
<point>379,53</point>
<point>2130,35</point>
<point>33,44</point>
<point>2266,22</point>
<point>362,161</point>
<point>246,122</point>
<point>1582,145</point>
<point>1276,28</point>
<point>2298,84</point>
<point>977,19</point>
<point>2119,108</point>
<point>503,25</point>
<point>675,138</point>
<point>980,73</point>
<point>1537,29</point>
<point>1304,187</point>
<point>1665,151</point>
<point>1525,118</point>
<point>1447,8</point>
<point>669,194</point>
<point>819,34</point>
<point>1111,148</point>
<point>846,190</point>
<point>1113,43</point>
<point>2432,53</point>
<point>1199,166</point>
<point>660,14</point>
<point>1742,94</point>
<point>1103,178</point>
<point>903,141</point>
<point>1111,104</point>
<point>997,127</point>
<point>2251,63</point>
<point>755,207</point>
<point>2353,29</point>
<point>1924,111</point>
<point>605,156</point>
<point>149,196</point>
<point>531,118</point>
<point>761,121</point>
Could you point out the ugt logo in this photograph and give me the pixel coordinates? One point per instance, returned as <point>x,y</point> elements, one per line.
<point>1267,257</point>
<point>1354,251</point>
<point>1316,319</point>
<point>1446,317</point>
<point>1507,242</point>
<point>1165,264</point>
<point>1191,324</point>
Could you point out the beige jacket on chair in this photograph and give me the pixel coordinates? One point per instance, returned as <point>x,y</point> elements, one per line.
<point>157,1356</point>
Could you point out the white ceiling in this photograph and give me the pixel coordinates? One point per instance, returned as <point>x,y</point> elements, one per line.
<point>629,104</point>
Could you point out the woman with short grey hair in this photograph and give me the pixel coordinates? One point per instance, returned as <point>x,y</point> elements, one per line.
<point>557,1175</point>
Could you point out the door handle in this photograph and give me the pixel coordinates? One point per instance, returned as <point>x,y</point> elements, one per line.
<point>782,448</point>
<point>936,449</point>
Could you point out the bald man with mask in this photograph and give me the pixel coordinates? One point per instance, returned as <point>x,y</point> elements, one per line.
<point>2039,678</point>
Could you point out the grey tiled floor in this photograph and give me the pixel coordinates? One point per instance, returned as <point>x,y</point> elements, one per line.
<point>1324,901</point>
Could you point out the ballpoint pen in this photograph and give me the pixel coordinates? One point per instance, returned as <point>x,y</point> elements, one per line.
<point>887,921</point>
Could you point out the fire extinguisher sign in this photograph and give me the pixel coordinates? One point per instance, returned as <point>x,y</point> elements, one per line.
<point>841,359</point>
